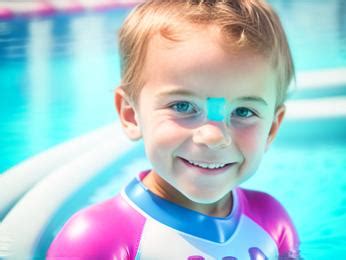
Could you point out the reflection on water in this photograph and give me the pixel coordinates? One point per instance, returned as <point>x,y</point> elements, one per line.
<point>57,78</point>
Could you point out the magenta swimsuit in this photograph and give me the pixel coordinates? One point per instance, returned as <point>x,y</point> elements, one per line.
<point>138,224</point>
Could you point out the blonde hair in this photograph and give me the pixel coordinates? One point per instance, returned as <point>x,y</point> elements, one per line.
<point>244,24</point>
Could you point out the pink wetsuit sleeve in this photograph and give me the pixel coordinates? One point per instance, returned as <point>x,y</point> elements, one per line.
<point>110,230</point>
<point>273,218</point>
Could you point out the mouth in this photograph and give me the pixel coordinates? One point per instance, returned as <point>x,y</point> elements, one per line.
<point>207,167</point>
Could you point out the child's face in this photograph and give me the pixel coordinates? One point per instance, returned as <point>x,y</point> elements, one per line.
<point>171,116</point>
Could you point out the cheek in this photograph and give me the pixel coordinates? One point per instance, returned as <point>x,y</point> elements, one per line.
<point>251,140</point>
<point>164,134</point>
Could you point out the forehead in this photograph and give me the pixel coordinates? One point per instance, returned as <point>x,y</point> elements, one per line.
<point>199,60</point>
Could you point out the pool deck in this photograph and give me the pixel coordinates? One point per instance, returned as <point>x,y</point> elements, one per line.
<point>9,9</point>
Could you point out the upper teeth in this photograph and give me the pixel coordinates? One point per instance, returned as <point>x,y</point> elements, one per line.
<point>208,165</point>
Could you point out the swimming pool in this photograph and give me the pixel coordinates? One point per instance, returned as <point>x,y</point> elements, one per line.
<point>57,78</point>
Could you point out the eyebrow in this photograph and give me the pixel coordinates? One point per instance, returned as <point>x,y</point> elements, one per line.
<point>184,92</point>
<point>254,99</point>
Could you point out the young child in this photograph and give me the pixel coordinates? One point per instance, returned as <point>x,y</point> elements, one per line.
<point>204,85</point>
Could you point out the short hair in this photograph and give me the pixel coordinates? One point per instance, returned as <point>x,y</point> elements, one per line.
<point>244,24</point>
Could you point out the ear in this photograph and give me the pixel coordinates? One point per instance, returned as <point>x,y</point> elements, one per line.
<point>127,115</point>
<point>279,115</point>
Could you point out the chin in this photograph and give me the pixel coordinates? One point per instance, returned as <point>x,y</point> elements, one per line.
<point>206,198</point>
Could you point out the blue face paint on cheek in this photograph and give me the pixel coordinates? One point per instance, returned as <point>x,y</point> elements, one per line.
<point>216,109</point>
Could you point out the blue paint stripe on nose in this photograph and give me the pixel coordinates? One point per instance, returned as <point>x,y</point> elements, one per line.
<point>216,109</point>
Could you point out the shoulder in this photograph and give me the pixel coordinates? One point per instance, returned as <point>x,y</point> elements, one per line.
<point>261,202</point>
<point>268,213</point>
<point>102,231</point>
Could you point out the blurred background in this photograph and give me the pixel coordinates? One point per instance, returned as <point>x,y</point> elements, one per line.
<point>59,66</point>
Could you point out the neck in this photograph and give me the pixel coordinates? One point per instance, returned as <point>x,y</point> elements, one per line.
<point>161,188</point>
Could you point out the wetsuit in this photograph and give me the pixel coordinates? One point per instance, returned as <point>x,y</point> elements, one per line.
<point>137,224</point>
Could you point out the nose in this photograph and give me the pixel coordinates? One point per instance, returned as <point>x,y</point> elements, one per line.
<point>213,134</point>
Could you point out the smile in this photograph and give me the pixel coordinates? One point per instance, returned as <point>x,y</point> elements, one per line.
<point>209,166</point>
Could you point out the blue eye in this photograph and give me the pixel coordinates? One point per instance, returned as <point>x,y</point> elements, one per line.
<point>243,112</point>
<point>183,107</point>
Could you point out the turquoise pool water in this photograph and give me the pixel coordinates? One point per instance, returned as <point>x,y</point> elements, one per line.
<point>57,77</point>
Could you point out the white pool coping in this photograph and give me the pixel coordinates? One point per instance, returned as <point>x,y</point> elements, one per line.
<point>323,108</point>
<point>329,107</point>
<point>324,78</point>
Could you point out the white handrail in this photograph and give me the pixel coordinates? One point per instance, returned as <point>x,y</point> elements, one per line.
<point>19,179</point>
<point>17,235</point>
